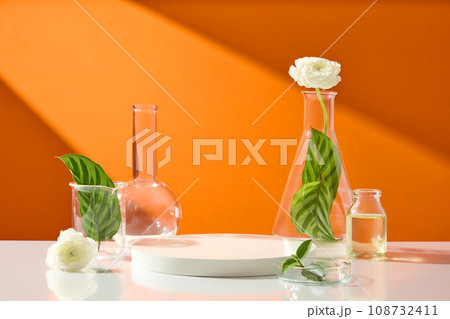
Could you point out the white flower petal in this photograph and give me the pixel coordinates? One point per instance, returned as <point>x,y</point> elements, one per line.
<point>313,72</point>
<point>51,257</point>
<point>72,251</point>
<point>294,73</point>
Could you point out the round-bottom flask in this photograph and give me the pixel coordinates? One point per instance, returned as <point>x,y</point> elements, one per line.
<point>151,207</point>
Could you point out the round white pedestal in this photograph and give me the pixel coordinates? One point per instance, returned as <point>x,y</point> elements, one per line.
<point>214,255</point>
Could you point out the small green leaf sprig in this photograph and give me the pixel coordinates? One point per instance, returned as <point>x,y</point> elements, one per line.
<point>314,272</point>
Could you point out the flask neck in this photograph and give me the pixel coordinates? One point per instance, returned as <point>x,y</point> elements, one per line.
<point>313,111</point>
<point>144,143</point>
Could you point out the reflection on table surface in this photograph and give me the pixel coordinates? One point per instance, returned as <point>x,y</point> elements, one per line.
<point>85,285</point>
<point>411,271</point>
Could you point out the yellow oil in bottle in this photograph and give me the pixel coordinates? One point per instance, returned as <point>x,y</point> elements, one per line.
<point>366,236</point>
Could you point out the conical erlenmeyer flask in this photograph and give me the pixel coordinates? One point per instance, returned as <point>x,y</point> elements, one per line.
<point>314,118</point>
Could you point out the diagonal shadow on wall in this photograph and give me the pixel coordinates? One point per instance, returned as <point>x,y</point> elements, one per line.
<point>386,55</point>
<point>33,180</point>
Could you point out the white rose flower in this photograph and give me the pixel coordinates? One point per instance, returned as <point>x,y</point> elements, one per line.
<point>72,252</point>
<point>315,73</point>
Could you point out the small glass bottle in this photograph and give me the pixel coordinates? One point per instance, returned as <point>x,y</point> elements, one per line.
<point>366,226</point>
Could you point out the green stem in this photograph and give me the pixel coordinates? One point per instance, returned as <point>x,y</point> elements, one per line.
<point>324,109</point>
<point>299,262</point>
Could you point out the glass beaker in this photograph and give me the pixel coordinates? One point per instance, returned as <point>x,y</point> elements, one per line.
<point>108,204</point>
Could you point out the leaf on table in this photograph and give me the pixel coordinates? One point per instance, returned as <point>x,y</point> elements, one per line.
<point>288,264</point>
<point>304,249</point>
<point>315,272</point>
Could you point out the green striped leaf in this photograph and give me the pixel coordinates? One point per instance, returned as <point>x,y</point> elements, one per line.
<point>311,169</point>
<point>323,161</point>
<point>102,218</point>
<point>311,205</point>
<point>85,171</point>
<point>99,206</point>
<point>310,210</point>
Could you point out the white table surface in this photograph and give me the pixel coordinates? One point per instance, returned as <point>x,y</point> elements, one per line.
<point>412,271</point>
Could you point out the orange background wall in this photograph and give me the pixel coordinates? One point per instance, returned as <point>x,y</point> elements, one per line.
<point>67,87</point>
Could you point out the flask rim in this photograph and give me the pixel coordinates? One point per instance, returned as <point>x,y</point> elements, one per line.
<point>323,93</point>
<point>367,192</point>
<point>139,107</point>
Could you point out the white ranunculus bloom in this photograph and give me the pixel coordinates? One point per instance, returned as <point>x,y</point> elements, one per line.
<point>315,73</point>
<point>72,252</point>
